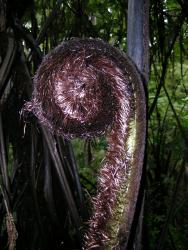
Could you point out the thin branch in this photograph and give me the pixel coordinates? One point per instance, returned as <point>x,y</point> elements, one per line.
<point>4,166</point>
<point>164,232</point>
<point>182,131</point>
<point>62,178</point>
<point>7,62</point>
<point>47,23</point>
<point>165,62</point>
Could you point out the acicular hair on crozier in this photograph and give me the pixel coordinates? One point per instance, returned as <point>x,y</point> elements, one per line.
<point>83,88</point>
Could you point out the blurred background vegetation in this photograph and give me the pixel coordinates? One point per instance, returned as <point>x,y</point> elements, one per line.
<point>46,183</point>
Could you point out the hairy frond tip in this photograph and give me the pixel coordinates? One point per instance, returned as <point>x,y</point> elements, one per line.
<point>83,88</point>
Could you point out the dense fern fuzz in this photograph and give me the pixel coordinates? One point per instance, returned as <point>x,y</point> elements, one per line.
<point>84,88</point>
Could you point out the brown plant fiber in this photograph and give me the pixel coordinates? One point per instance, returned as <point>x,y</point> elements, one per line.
<point>83,88</point>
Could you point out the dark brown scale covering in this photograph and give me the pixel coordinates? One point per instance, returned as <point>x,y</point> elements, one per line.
<point>83,89</point>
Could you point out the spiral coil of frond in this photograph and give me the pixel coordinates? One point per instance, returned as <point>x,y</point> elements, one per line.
<point>83,88</point>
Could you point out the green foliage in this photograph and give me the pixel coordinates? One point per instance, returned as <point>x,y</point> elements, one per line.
<point>167,131</point>
<point>89,155</point>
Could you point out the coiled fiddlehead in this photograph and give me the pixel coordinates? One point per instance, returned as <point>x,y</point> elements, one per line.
<point>86,88</point>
